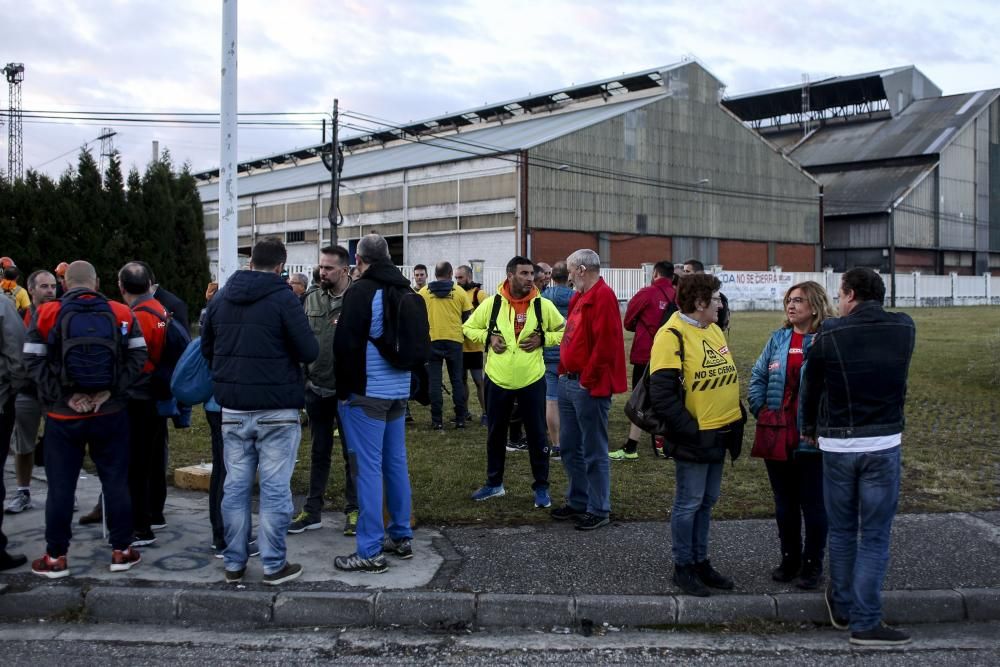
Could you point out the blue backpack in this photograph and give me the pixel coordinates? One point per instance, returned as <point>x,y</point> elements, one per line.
<point>90,340</point>
<point>192,380</point>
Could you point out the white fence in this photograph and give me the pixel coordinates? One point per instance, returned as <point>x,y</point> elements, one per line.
<point>764,290</point>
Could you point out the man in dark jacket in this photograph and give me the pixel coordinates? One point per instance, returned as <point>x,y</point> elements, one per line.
<point>256,338</point>
<point>854,388</point>
<point>373,396</point>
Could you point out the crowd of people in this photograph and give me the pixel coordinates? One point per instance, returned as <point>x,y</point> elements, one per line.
<point>546,354</point>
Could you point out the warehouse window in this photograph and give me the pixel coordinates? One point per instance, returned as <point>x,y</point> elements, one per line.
<point>295,237</point>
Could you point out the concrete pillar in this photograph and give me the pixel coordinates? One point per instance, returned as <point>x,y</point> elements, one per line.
<point>917,297</point>
<point>954,288</point>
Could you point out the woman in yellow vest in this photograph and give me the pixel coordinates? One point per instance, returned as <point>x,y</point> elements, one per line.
<point>694,390</point>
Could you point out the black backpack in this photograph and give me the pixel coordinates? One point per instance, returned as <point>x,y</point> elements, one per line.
<point>639,407</point>
<point>174,344</point>
<point>89,340</point>
<point>491,329</point>
<point>406,333</point>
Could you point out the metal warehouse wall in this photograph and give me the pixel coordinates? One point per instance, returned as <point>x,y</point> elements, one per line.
<point>686,138</point>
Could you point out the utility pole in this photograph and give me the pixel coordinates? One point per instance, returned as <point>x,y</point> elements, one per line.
<point>334,161</point>
<point>228,197</point>
<point>15,138</point>
<point>107,147</point>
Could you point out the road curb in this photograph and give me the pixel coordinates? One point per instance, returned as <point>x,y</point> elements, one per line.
<point>448,609</point>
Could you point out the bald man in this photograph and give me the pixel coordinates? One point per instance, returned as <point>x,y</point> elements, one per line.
<point>84,394</point>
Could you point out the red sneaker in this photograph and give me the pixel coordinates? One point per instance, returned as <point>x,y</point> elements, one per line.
<point>658,446</point>
<point>52,568</point>
<point>124,560</point>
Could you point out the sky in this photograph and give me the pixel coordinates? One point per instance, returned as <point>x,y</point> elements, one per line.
<point>409,60</point>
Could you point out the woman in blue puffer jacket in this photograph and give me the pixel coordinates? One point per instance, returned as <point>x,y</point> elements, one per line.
<point>795,473</point>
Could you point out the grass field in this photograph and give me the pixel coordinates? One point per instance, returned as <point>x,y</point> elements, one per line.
<point>951,447</point>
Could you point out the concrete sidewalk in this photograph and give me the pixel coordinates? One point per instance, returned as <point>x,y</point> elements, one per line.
<point>945,567</point>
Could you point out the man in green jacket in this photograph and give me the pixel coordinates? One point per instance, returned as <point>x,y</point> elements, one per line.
<point>513,325</point>
<point>323,310</point>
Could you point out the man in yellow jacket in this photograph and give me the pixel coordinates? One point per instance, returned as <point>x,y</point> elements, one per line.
<point>513,325</point>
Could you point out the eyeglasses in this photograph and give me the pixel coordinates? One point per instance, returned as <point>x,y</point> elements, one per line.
<point>716,299</point>
<point>797,300</point>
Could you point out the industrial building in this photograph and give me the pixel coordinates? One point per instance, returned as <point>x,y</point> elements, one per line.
<point>911,178</point>
<point>642,167</point>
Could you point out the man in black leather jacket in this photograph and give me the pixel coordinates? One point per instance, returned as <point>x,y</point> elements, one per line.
<point>854,388</point>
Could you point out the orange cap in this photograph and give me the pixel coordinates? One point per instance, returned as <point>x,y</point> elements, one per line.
<point>61,269</point>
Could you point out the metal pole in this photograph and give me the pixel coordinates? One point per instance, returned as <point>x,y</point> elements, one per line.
<point>892,258</point>
<point>334,177</point>
<point>228,196</point>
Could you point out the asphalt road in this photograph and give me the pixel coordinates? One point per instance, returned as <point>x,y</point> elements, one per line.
<point>966,644</point>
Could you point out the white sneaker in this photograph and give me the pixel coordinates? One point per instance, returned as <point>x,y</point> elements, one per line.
<point>20,502</point>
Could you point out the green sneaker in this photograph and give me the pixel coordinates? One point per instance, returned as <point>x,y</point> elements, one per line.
<point>351,523</point>
<point>304,522</point>
<point>622,455</point>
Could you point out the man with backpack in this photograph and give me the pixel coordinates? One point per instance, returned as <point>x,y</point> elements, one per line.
<point>256,338</point>
<point>17,294</point>
<point>382,336</point>
<point>147,429</point>
<point>448,306</point>
<point>513,325</point>
<point>84,352</point>
<point>647,311</point>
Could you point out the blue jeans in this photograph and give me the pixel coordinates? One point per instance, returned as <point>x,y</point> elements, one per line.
<point>861,491</point>
<point>697,490</point>
<point>376,443</point>
<point>267,440</point>
<point>583,438</point>
<point>450,353</point>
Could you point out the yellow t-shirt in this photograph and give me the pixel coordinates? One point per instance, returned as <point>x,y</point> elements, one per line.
<point>480,296</point>
<point>445,313</point>
<point>711,383</point>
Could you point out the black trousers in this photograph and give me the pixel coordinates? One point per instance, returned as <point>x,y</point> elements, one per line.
<point>798,499</point>
<point>6,429</point>
<point>499,405</point>
<point>323,418</point>
<point>147,475</point>
<point>218,479</point>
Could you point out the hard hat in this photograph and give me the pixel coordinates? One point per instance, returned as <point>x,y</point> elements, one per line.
<point>61,269</point>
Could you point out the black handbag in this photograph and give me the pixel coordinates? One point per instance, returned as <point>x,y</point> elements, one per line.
<point>639,406</point>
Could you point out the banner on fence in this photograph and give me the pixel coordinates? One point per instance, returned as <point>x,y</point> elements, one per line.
<point>753,285</point>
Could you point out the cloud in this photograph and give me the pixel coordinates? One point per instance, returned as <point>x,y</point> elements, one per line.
<point>405,60</point>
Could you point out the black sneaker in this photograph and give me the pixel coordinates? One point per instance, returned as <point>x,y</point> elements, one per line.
<point>517,445</point>
<point>712,577</point>
<point>402,549</point>
<point>303,522</point>
<point>592,522</point>
<point>787,571</point>
<point>686,579</point>
<point>437,427</point>
<point>158,523</point>
<point>566,512</point>
<point>143,538</point>
<point>838,622</point>
<point>235,576</point>
<point>355,563</point>
<point>810,576</point>
<point>880,635</point>
<point>460,423</point>
<point>287,573</point>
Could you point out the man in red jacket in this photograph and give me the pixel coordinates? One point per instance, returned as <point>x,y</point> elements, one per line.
<point>591,369</point>
<point>646,312</point>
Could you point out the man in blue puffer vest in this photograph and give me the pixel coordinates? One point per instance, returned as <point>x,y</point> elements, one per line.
<point>256,338</point>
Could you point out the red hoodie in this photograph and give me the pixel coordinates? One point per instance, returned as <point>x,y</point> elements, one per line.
<point>643,316</point>
<point>593,345</point>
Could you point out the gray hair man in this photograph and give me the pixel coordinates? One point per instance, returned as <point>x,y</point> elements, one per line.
<point>41,286</point>
<point>591,370</point>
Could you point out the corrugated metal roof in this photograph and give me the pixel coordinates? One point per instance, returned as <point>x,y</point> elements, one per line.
<point>495,140</point>
<point>867,190</point>
<point>925,127</point>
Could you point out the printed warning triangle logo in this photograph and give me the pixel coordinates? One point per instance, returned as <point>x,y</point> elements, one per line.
<point>712,358</point>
